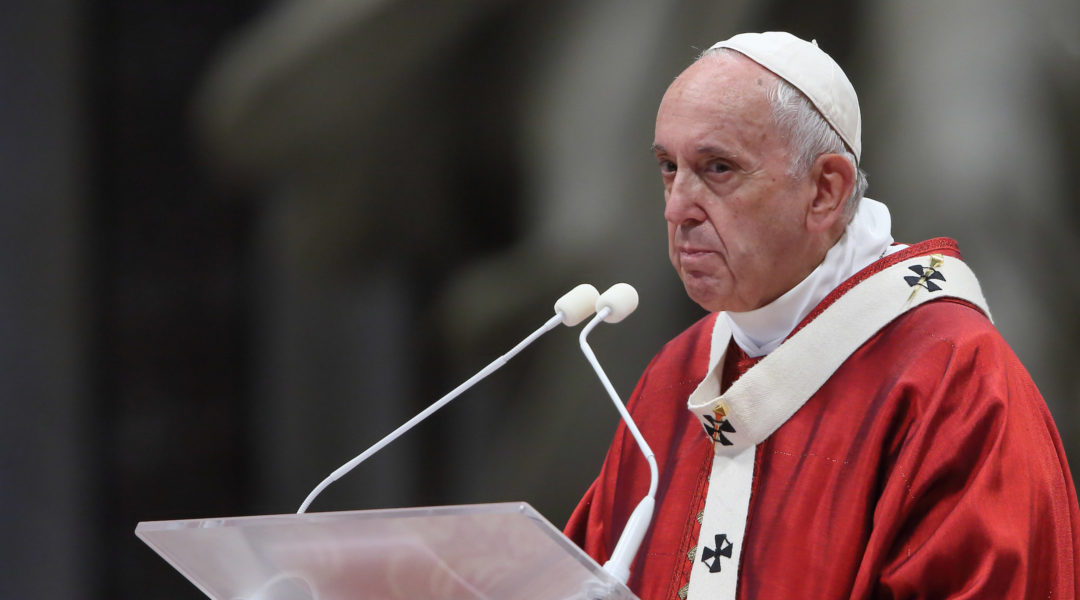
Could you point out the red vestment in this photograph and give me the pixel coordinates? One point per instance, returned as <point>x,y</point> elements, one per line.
<point>927,466</point>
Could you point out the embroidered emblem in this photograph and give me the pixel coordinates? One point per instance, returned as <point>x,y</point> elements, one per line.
<point>925,276</point>
<point>711,557</point>
<point>716,429</point>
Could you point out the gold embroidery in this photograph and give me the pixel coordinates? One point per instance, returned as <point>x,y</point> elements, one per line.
<point>692,554</point>
<point>717,424</point>
<point>683,592</point>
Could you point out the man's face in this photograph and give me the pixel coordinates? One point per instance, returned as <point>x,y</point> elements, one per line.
<point>736,220</point>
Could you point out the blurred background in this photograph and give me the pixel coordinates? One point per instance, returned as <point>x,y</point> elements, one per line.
<point>244,240</point>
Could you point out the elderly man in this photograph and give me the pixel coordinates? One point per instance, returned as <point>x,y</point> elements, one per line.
<point>846,422</point>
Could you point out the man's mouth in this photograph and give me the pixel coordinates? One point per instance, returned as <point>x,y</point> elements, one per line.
<point>692,251</point>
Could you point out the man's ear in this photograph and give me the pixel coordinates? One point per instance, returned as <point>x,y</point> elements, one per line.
<point>833,176</point>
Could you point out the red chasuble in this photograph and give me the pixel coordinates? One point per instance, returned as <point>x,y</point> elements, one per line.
<point>926,466</point>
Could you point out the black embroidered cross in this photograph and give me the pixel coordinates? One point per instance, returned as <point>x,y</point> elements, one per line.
<point>711,557</point>
<point>925,276</point>
<point>716,429</point>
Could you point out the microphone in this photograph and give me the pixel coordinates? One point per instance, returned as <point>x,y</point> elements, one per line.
<point>572,308</point>
<point>613,306</point>
<point>619,300</point>
<point>576,305</point>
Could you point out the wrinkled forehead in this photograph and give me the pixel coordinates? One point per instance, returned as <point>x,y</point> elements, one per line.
<point>722,81</point>
<point>717,92</point>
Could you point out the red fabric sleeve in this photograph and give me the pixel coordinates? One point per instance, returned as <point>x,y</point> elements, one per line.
<point>978,503</point>
<point>926,467</point>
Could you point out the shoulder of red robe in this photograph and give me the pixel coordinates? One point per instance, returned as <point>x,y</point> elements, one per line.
<point>774,389</point>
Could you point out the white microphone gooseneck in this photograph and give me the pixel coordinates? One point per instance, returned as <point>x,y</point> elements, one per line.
<point>613,306</point>
<point>572,308</point>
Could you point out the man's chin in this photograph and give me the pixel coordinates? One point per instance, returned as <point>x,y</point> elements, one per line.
<point>708,294</point>
<point>704,293</point>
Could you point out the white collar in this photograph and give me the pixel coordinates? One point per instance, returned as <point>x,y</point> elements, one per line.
<point>867,238</point>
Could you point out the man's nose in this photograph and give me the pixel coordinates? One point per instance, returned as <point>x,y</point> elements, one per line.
<point>683,201</point>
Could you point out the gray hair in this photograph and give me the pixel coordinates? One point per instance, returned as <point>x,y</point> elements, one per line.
<point>809,135</point>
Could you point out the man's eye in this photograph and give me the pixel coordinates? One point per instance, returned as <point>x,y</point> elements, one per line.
<point>719,168</point>
<point>667,166</point>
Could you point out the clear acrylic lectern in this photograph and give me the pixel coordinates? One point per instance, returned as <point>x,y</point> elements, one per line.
<point>479,552</point>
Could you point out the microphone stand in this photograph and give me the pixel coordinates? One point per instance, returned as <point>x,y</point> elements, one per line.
<point>612,306</point>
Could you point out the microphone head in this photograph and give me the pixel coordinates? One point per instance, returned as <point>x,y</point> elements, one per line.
<point>576,305</point>
<point>621,298</point>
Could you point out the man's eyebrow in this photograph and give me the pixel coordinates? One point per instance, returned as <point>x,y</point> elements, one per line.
<point>716,151</point>
<point>701,150</point>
